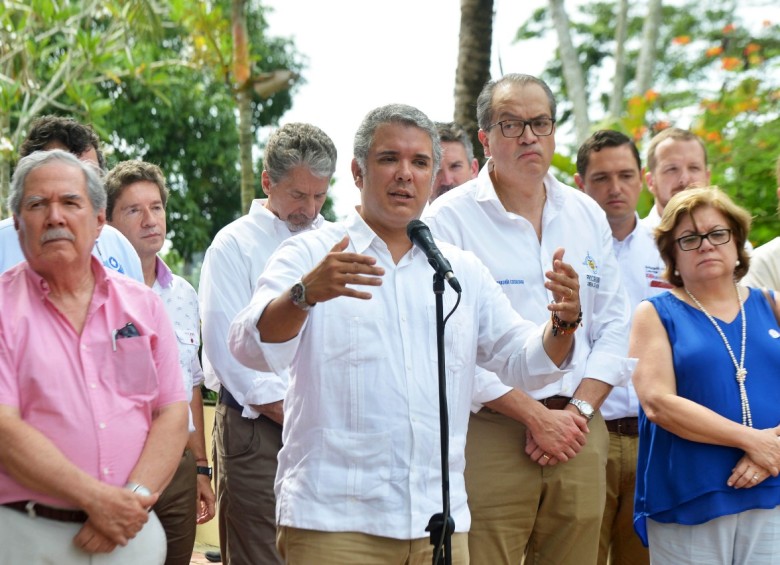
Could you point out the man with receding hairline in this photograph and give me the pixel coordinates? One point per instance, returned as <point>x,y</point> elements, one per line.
<point>346,309</point>
<point>535,457</point>
<point>93,416</point>
<point>298,163</point>
<point>676,160</point>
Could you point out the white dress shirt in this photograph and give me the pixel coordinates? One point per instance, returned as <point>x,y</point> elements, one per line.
<point>111,247</point>
<point>764,266</point>
<point>361,435</point>
<point>641,269</point>
<point>231,267</point>
<point>651,221</point>
<point>472,217</point>
<point>181,303</point>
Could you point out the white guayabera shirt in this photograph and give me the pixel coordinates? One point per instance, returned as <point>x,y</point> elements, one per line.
<point>361,436</point>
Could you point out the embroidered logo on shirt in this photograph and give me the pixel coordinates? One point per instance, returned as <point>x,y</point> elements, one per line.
<point>112,263</point>
<point>593,280</point>
<point>654,277</point>
<point>590,263</point>
<point>511,281</point>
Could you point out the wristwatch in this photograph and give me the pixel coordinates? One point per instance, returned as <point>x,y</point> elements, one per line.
<point>298,296</point>
<point>138,488</point>
<point>585,408</point>
<point>203,471</point>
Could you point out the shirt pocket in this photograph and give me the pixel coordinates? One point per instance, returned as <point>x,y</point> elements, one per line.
<point>135,373</point>
<point>356,465</point>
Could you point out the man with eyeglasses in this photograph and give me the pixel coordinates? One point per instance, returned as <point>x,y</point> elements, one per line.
<point>535,459</point>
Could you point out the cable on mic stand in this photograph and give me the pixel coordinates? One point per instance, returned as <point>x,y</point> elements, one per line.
<point>442,525</point>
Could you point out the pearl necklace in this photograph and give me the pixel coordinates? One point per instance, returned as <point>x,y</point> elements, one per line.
<point>747,417</point>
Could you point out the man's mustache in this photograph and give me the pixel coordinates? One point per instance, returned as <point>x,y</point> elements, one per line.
<point>57,233</point>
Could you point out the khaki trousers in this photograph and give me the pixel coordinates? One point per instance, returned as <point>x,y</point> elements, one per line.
<point>619,544</point>
<point>309,547</point>
<point>549,515</point>
<point>176,510</point>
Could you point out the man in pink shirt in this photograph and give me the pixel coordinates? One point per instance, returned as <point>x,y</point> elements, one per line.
<point>93,417</point>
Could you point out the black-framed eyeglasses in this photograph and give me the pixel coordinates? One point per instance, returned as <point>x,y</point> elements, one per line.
<point>515,128</point>
<point>694,241</point>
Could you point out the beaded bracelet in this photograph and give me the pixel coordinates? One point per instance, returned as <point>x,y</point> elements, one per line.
<point>562,327</point>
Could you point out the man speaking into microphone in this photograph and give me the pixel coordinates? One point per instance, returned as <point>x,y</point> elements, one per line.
<point>349,310</point>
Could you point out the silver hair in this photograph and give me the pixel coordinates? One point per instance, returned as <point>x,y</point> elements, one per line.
<point>394,113</point>
<point>26,165</point>
<point>485,99</point>
<point>297,144</point>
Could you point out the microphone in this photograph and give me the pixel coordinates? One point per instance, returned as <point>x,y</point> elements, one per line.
<point>420,235</point>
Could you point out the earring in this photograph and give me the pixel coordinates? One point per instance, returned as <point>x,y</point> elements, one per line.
<point>676,273</point>
<point>738,262</point>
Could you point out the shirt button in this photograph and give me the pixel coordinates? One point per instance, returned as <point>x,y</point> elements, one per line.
<point>106,471</point>
<point>92,385</point>
<point>102,425</point>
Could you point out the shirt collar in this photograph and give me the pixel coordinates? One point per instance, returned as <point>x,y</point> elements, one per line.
<point>99,271</point>
<point>260,213</point>
<point>163,273</point>
<point>360,233</point>
<point>486,192</point>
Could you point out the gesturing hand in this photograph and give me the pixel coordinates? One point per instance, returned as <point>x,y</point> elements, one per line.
<point>563,281</point>
<point>338,270</point>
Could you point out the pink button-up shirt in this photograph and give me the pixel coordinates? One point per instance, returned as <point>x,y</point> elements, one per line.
<point>91,395</point>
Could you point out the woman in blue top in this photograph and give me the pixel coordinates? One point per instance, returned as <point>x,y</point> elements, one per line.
<point>708,380</point>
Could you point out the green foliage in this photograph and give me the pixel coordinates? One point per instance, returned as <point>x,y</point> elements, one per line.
<point>712,71</point>
<point>154,79</point>
<point>184,120</point>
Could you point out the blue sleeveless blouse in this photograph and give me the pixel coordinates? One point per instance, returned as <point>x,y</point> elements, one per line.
<point>684,482</point>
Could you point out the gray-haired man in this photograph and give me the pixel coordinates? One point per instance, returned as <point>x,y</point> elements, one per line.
<point>298,164</point>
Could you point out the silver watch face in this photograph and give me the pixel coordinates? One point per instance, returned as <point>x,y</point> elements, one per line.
<point>298,296</point>
<point>585,408</point>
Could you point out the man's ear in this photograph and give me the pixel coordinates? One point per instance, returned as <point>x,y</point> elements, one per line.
<point>649,180</point>
<point>474,168</point>
<point>101,221</point>
<point>357,174</point>
<point>265,182</point>
<point>483,139</point>
<point>578,181</point>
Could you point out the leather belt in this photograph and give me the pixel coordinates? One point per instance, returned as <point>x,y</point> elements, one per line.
<point>624,426</point>
<point>228,400</point>
<point>34,509</point>
<point>556,402</point>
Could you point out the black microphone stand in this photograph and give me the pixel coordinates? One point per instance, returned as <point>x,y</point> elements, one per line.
<point>442,525</point>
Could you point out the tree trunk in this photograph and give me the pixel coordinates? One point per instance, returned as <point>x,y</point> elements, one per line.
<point>572,71</point>
<point>5,162</point>
<point>474,46</point>
<point>619,80</point>
<point>241,75</point>
<point>644,69</point>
